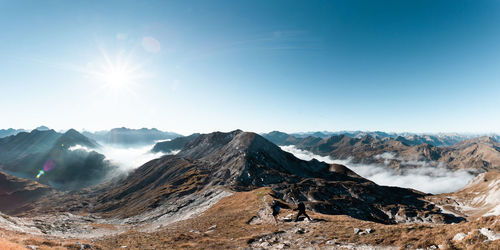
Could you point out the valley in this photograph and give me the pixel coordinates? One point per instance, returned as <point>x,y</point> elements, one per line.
<point>214,191</point>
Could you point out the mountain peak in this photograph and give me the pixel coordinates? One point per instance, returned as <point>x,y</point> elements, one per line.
<point>42,128</point>
<point>206,144</point>
<point>73,137</point>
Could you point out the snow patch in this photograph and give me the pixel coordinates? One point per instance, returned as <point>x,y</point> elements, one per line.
<point>459,237</point>
<point>489,234</point>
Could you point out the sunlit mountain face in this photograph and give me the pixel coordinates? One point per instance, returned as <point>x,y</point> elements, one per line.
<point>249,124</point>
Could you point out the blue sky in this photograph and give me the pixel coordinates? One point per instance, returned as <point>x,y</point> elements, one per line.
<point>417,66</point>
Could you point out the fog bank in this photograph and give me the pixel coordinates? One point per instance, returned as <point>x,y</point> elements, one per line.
<point>125,157</point>
<point>425,178</point>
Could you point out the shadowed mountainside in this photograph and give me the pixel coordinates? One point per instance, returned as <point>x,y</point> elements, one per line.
<point>16,193</point>
<point>26,154</point>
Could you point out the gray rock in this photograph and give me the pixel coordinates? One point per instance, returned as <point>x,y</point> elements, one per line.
<point>332,242</point>
<point>369,230</point>
<point>212,227</point>
<point>356,230</point>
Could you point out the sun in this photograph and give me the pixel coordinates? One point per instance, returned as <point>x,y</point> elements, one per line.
<point>117,74</point>
<point>118,78</point>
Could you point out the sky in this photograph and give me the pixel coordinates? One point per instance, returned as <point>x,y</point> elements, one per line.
<point>202,66</point>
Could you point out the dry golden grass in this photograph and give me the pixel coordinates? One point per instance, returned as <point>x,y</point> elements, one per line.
<point>14,240</point>
<point>6,245</point>
<point>104,226</point>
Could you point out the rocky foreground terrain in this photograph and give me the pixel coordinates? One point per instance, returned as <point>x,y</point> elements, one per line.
<point>216,193</point>
<point>243,220</point>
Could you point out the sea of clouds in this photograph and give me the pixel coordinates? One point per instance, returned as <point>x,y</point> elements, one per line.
<point>429,177</point>
<point>125,157</point>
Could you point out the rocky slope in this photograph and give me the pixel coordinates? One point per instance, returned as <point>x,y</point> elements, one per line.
<point>480,153</point>
<point>17,193</point>
<point>481,197</point>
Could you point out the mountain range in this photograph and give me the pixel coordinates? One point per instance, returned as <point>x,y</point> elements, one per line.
<point>223,163</point>
<point>9,132</point>
<point>434,139</point>
<point>478,154</point>
<point>214,191</point>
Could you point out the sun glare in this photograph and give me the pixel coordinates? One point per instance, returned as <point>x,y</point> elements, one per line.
<point>117,78</point>
<point>117,75</point>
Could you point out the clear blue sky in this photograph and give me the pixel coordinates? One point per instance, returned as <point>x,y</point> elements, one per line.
<point>186,66</point>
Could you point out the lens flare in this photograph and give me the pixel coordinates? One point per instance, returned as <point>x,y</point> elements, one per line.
<point>40,174</point>
<point>49,165</point>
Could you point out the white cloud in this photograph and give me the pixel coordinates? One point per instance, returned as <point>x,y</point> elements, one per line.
<point>79,147</point>
<point>424,178</point>
<point>127,158</point>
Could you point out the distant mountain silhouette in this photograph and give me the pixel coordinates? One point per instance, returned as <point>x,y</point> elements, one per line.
<point>126,136</point>
<point>42,128</point>
<point>9,132</point>
<point>439,139</point>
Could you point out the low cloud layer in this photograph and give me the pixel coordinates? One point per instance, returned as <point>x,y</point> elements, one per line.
<point>127,158</point>
<point>425,178</point>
